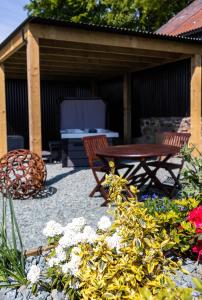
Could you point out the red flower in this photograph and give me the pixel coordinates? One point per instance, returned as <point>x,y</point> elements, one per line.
<point>195,217</point>
<point>198,249</point>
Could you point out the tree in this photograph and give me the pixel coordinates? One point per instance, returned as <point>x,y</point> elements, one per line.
<point>155,13</point>
<point>137,14</point>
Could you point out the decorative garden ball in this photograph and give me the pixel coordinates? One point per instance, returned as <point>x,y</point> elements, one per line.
<point>22,174</point>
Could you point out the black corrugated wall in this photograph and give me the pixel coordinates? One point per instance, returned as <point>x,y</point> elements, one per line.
<point>51,94</point>
<point>158,92</point>
<point>163,91</point>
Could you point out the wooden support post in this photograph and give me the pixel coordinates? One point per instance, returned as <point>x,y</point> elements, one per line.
<point>34,94</point>
<point>127,108</point>
<point>196,77</point>
<point>3,122</point>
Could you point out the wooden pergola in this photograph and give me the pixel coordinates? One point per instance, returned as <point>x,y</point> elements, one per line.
<point>43,49</point>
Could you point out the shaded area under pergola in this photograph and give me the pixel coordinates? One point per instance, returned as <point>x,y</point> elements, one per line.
<point>48,49</point>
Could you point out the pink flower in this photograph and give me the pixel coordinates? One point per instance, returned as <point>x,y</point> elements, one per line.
<point>198,249</point>
<point>195,217</point>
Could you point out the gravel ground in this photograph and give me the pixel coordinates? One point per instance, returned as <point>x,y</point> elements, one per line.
<point>66,197</point>
<point>70,188</point>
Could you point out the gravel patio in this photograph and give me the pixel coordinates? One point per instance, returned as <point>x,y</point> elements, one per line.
<point>65,197</point>
<point>69,189</point>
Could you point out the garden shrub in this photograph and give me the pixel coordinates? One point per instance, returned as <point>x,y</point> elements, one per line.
<point>172,215</point>
<point>121,260</point>
<point>12,265</point>
<point>192,173</point>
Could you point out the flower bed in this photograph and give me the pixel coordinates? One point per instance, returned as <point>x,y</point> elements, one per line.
<point>134,254</point>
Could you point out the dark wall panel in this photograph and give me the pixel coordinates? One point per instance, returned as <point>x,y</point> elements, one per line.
<point>17,108</point>
<point>51,94</point>
<point>112,92</point>
<point>163,91</point>
<point>158,92</point>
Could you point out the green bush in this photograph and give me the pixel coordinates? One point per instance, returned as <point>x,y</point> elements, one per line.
<point>121,260</point>
<point>191,178</point>
<point>12,271</point>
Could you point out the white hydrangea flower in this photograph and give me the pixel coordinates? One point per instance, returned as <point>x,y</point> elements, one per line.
<point>67,239</point>
<point>60,253</point>
<point>34,274</point>
<point>53,261</point>
<point>76,225</point>
<point>89,234</point>
<point>114,241</point>
<point>65,268</point>
<point>72,266</point>
<point>79,238</point>
<point>71,238</point>
<point>104,223</point>
<point>52,229</point>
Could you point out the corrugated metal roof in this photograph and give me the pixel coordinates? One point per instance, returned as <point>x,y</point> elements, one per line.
<point>192,33</point>
<point>99,28</point>
<point>189,18</point>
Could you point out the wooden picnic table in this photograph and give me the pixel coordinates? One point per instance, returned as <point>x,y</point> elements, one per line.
<point>140,154</point>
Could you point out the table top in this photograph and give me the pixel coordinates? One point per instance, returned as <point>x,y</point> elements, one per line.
<point>138,151</point>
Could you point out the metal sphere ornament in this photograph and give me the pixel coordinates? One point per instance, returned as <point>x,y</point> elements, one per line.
<point>22,174</point>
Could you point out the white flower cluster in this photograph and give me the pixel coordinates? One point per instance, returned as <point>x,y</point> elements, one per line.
<point>72,266</point>
<point>59,257</point>
<point>114,241</point>
<point>104,223</point>
<point>34,274</point>
<point>71,235</point>
<point>52,229</point>
<point>76,232</point>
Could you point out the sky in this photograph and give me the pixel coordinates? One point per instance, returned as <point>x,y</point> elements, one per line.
<point>11,15</point>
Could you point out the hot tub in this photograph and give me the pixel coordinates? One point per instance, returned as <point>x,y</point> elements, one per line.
<point>80,117</point>
<point>73,154</point>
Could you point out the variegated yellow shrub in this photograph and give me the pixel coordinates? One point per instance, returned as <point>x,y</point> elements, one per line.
<point>127,261</point>
<point>123,258</point>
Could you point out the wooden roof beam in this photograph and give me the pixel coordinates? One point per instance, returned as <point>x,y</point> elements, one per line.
<point>113,39</point>
<point>17,42</point>
<point>79,64</point>
<point>96,48</point>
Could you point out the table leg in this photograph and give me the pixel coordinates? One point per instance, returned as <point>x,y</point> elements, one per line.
<point>142,177</point>
<point>153,177</point>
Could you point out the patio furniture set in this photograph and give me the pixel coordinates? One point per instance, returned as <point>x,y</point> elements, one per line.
<point>140,161</point>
